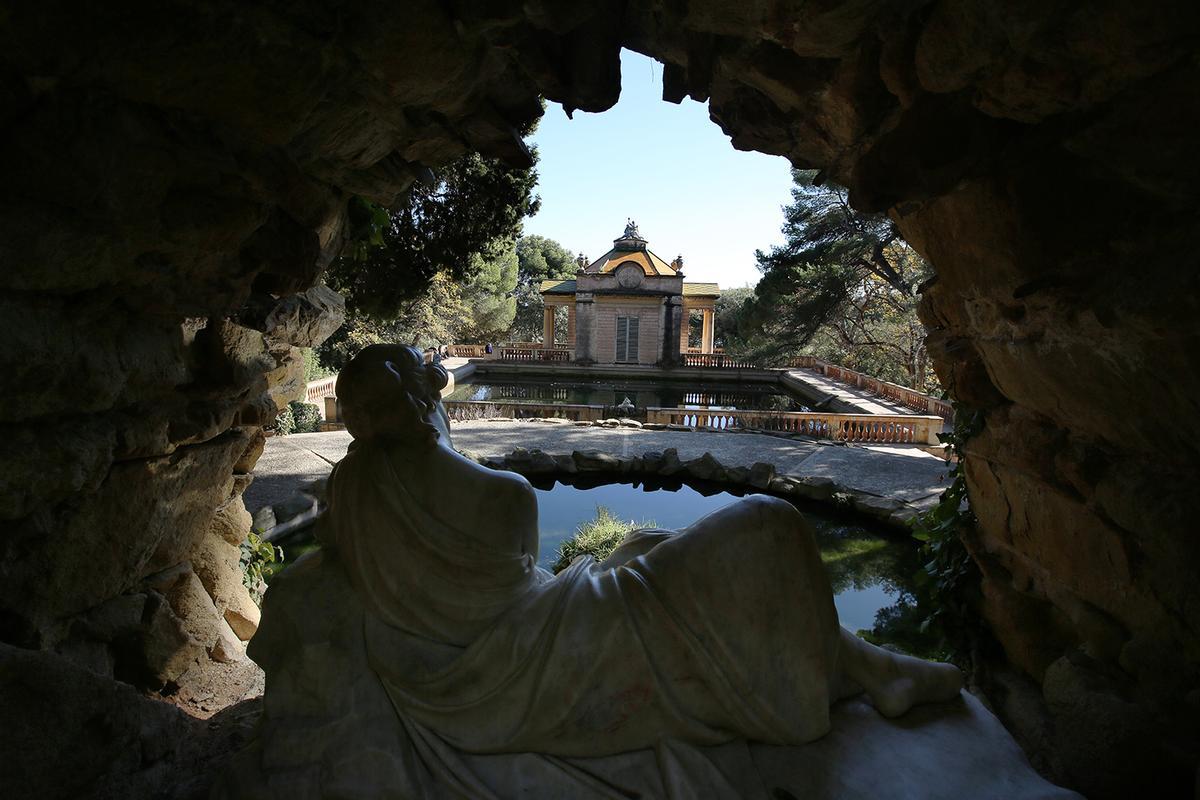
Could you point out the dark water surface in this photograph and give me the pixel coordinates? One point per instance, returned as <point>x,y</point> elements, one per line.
<point>869,572</point>
<point>756,396</point>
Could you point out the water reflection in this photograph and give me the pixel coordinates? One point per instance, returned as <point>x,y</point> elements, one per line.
<point>871,573</point>
<point>642,393</point>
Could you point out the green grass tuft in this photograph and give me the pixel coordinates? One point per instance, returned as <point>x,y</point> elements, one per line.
<point>597,537</point>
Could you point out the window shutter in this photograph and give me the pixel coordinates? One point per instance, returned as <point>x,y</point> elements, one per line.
<point>631,354</point>
<point>622,338</point>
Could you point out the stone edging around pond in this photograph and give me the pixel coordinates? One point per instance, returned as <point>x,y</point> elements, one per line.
<point>625,422</point>
<point>303,508</point>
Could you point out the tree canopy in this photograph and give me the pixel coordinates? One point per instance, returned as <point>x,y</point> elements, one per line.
<point>729,312</point>
<point>444,226</point>
<point>432,318</point>
<point>439,267</point>
<point>539,259</point>
<point>491,294</point>
<point>843,285</point>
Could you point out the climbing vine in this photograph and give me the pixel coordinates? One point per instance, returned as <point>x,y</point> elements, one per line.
<point>948,583</point>
<point>257,559</point>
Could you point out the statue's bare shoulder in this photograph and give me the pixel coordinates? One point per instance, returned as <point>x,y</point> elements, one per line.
<point>502,503</point>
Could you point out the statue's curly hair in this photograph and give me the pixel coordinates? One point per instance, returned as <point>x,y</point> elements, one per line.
<point>388,391</point>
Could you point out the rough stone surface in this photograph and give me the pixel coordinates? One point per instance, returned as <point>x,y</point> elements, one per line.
<point>595,461</point>
<point>706,468</point>
<point>165,648</point>
<point>216,563</point>
<point>174,182</point>
<point>71,733</point>
<point>761,475</point>
<point>231,521</point>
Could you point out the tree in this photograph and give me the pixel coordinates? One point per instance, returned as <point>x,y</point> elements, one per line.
<point>843,286</point>
<point>441,227</point>
<point>399,273</point>
<point>539,259</point>
<point>728,313</point>
<point>434,317</point>
<point>490,294</point>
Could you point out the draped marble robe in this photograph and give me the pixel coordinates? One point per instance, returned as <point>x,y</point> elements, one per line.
<point>724,631</point>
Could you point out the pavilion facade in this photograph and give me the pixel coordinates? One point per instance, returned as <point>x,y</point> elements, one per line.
<point>629,307</point>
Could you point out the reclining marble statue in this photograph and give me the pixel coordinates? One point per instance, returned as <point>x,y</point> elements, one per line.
<point>489,674</point>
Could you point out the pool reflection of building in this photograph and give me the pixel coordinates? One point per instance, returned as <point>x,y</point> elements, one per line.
<point>643,394</point>
<point>629,307</point>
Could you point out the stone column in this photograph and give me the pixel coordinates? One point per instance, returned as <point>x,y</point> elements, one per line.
<point>571,327</point>
<point>548,328</point>
<point>685,325</point>
<point>706,336</point>
<point>585,322</point>
<point>673,320</point>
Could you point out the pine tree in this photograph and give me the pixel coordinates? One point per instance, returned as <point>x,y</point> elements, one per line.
<point>539,259</point>
<point>844,285</point>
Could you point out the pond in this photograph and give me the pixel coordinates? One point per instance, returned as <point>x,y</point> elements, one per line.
<point>757,396</point>
<point>870,572</point>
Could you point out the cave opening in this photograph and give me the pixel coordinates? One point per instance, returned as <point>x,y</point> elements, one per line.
<point>178,181</point>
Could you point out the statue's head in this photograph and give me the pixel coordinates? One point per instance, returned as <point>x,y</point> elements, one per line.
<point>387,391</point>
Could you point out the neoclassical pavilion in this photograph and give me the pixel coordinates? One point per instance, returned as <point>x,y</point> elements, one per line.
<point>629,306</point>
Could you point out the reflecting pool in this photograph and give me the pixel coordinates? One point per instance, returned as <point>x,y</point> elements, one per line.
<point>870,572</point>
<point>754,395</point>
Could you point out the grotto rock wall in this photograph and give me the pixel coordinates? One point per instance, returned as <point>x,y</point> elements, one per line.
<point>177,177</point>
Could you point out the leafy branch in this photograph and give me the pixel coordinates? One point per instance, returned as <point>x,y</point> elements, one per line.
<point>256,562</point>
<point>948,584</point>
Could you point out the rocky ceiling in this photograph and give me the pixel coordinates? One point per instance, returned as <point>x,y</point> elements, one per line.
<point>176,178</point>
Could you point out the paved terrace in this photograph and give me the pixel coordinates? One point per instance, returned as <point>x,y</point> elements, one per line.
<point>900,472</point>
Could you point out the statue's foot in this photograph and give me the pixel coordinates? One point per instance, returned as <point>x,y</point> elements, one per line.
<point>913,681</point>
<point>894,682</point>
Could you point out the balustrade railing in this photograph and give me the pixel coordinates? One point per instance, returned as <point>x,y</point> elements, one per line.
<point>464,410</point>
<point>718,360</point>
<point>529,354</point>
<point>868,428</point>
<point>315,391</point>
<point>469,351</point>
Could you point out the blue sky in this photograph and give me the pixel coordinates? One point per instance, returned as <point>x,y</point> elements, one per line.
<point>668,167</point>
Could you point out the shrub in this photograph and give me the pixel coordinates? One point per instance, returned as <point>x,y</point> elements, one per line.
<point>597,537</point>
<point>306,417</point>
<point>285,423</point>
